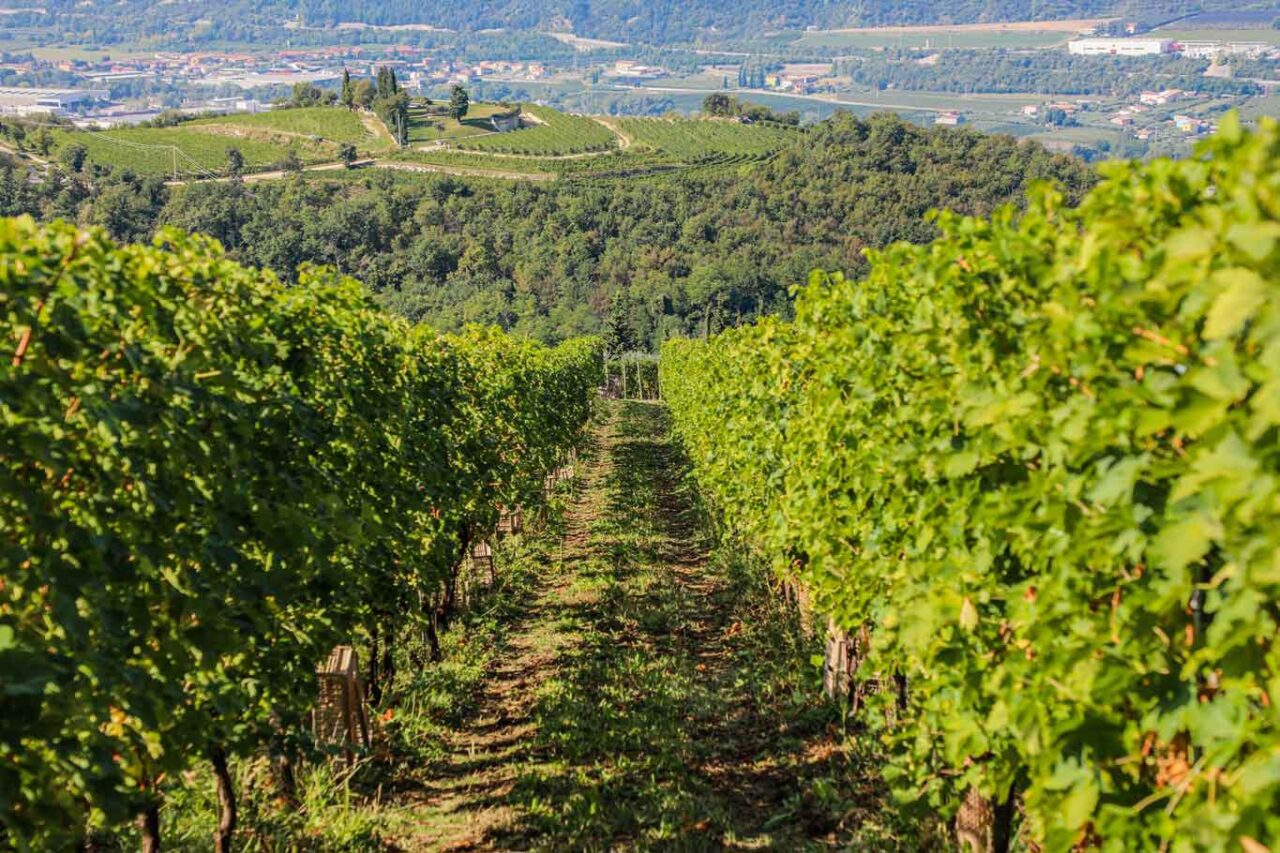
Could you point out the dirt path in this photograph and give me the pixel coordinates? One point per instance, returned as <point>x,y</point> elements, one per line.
<point>467,171</point>
<point>652,694</point>
<point>624,141</point>
<point>375,126</point>
<point>278,174</point>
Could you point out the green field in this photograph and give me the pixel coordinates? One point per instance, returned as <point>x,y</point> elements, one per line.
<point>554,134</point>
<point>430,128</point>
<point>186,151</point>
<point>332,124</point>
<point>698,139</point>
<point>1065,137</point>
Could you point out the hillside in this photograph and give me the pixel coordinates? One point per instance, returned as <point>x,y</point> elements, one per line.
<point>673,249</point>
<point>633,21</point>
<point>651,226</point>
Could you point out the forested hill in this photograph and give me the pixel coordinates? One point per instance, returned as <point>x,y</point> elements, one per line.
<point>659,255</point>
<point>655,19</point>
<point>654,22</point>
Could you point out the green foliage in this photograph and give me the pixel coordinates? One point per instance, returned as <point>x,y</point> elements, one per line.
<point>459,103</point>
<point>209,480</point>
<point>73,156</point>
<point>720,105</point>
<point>347,92</point>
<point>385,83</point>
<point>310,95</point>
<point>1038,458</point>
<point>393,110</point>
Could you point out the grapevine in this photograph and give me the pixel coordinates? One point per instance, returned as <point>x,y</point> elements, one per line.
<point>1039,460</point>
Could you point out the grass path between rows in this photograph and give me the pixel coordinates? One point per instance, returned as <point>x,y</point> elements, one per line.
<point>649,694</point>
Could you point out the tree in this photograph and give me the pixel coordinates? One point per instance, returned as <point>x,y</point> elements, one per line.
<point>719,104</point>
<point>73,156</point>
<point>235,163</point>
<point>292,162</point>
<point>44,141</point>
<point>364,93</point>
<point>347,153</point>
<point>306,95</point>
<point>617,333</point>
<point>387,85</point>
<point>394,112</point>
<point>459,103</point>
<point>348,92</point>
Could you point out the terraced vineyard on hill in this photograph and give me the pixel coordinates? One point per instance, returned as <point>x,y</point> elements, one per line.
<point>548,132</point>
<point>198,148</point>
<point>701,139</point>
<point>191,151</point>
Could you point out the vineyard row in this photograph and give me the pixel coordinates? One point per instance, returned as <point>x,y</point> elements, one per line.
<point>1030,473</point>
<point>207,481</point>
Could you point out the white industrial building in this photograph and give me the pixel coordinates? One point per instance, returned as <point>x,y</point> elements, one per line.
<point>21,102</point>
<point>1121,47</point>
<point>1214,49</point>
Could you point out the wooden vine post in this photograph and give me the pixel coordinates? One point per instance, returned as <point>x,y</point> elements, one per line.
<point>839,662</point>
<point>482,561</point>
<point>984,825</point>
<point>340,716</point>
<point>511,520</point>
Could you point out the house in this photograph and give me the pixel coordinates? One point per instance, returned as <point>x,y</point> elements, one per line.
<point>506,122</point>
<point>1190,124</point>
<point>1159,99</point>
<point>950,119</point>
<point>802,83</point>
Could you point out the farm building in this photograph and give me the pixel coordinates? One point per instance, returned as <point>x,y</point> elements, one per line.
<point>505,122</point>
<point>1213,49</point>
<point>1121,47</point>
<point>47,101</point>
